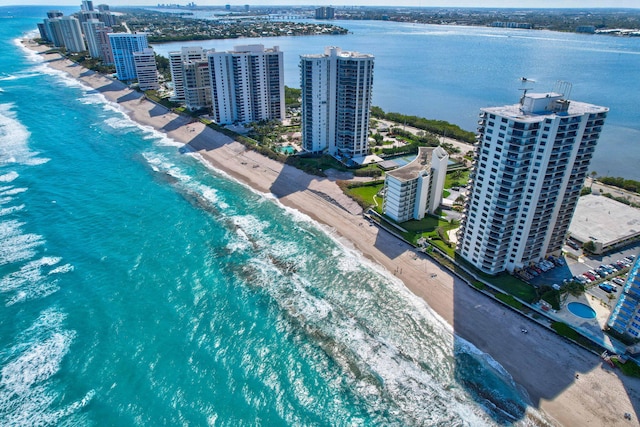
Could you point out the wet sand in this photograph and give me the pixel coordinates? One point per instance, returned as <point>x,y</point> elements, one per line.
<point>541,362</point>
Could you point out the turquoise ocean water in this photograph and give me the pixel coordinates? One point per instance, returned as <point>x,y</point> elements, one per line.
<point>138,287</point>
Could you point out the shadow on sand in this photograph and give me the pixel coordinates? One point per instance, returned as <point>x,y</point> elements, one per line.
<point>531,353</point>
<point>536,357</point>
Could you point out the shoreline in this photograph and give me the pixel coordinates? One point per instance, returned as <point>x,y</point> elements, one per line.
<point>542,363</point>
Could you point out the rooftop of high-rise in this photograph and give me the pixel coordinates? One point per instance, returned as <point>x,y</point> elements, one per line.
<point>336,51</point>
<point>419,165</point>
<point>534,107</point>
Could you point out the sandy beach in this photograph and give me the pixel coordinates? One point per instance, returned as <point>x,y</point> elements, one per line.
<point>570,385</point>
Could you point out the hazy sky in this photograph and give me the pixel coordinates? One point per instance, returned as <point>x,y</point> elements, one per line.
<point>423,3</point>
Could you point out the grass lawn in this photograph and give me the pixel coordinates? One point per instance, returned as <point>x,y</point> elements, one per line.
<point>505,281</point>
<point>456,178</point>
<point>514,286</point>
<point>365,193</point>
<point>315,164</point>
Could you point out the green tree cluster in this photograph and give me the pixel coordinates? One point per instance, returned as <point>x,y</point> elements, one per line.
<point>292,96</point>
<point>625,184</point>
<point>438,127</point>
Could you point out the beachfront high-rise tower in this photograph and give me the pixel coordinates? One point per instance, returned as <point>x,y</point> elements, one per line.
<point>177,61</point>
<point>530,163</point>
<point>72,34</point>
<point>336,102</point>
<point>123,45</point>
<point>146,69</point>
<point>247,84</point>
<point>92,29</point>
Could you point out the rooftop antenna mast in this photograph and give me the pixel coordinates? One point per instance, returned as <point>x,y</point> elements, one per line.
<point>563,88</point>
<point>525,81</point>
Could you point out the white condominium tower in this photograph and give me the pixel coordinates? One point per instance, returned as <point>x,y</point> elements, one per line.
<point>247,84</point>
<point>177,59</point>
<point>72,34</point>
<point>530,163</point>
<point>91,29</point>
<point>146,69</point>
<point>336,102</point>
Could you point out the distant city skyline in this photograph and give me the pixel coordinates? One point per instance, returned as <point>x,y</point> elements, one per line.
<point>541,4</point>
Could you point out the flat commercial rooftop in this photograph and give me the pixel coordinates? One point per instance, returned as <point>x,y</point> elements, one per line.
<point>604,220</point>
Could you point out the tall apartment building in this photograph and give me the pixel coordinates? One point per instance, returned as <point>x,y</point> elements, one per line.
<point>625,316</point>
<point>87,6</point>
<point>90,29</point>
<point>325,12</point>
<point>123,45</point>
<point>247,84</point>
<point>46,30</point>
<point>197,84</point>
<point>72,34</point>
<point>530,163</point>
<point>176,65</point>
<point>146,69</point>
<point>415,189</point>
<point>53,31</point>
<point>104,45</point>
<point>336,102</point>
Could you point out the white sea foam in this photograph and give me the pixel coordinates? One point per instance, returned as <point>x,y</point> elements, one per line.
<point>10,210</point>
<point>92,98</point>
<point>18,76</point>
<point>398,353</point>
<point>17,247</point>
<point>9,176</point>
<point>119,123</point>
<point>62,269</point>
<point>11,191</point>
<point>14,138</point>
<point>160,163</point>
<point>27,396</point>
<point>29,274</point>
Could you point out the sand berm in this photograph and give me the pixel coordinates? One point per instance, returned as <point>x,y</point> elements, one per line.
<point>542,363</point>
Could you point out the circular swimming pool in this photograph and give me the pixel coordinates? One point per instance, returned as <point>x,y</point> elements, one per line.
<point>581,310</point>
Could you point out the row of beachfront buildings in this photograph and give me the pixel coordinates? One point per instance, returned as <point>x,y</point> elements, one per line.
<point>530,161</point>
<point>92,31</point>
<point>243,85</point>
<point>247,85</point>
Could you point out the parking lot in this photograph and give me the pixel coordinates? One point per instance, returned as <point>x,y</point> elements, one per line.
<point>576,267</point>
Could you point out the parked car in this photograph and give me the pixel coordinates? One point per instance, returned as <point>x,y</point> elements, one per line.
<point>618,281</point>
<point>607,287</point>
<point>589,276</point>
<point>607,268</point>
<point>584,278</point>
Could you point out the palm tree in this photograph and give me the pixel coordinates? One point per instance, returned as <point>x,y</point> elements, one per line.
<point>593,177</point>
